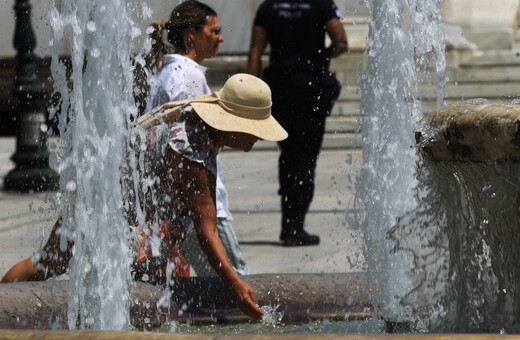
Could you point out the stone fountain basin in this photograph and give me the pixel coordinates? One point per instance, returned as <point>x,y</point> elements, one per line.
<point>301,297</point>
<point>470,161</point>
<point>473,132</point>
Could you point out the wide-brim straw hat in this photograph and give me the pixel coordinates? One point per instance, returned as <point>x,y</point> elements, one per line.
<point>243,104</point>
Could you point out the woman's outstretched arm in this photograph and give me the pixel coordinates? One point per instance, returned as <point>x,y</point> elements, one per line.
<point>199,200</point>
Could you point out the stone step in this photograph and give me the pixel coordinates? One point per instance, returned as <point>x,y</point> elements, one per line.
<point>485,66</point>
<point>357,30</point>
<point>349,123</point>
<point>338,125</point>
<point>346,109</point>
<point>430,106</point>
<point>493,75</point>
<point>462,91</point>
<point>459,90</point>
<point>516,37</point>
<point>346,67</point>
<point>331,141</point>
<point>487,74</point>
<point>489,57</point>
<point>340,133</point>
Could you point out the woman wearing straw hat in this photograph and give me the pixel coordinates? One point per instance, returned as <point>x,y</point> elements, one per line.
<point>180,145</point>
<point>194,33</point>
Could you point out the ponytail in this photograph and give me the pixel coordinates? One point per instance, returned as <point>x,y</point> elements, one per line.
<point>158,45</point>
<point>186,15</point>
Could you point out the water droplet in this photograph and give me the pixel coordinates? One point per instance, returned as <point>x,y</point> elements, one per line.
<point>150,30</point>
<point>95,52</point>
<point>271,316</point>
<point>91,26</point>
<point>71,186</point>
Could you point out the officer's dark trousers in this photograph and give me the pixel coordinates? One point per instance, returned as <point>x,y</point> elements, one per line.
<point>303,116</point>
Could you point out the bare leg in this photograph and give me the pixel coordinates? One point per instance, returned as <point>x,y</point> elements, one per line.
<point>52,261</point>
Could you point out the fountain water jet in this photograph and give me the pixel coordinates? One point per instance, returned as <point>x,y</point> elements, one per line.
<point>95,113</point>
<point>402,34</point>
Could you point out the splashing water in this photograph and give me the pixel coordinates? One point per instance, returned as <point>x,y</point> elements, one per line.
<point>95,113</point>
<point>271,315</point>
<point>403,35</point>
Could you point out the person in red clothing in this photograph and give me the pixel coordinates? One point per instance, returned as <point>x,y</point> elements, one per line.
<point>143,250</point>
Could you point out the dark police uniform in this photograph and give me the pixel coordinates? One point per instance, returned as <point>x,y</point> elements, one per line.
<point>303,93</point>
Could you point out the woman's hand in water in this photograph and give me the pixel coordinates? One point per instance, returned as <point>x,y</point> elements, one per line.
<point>246,300</point>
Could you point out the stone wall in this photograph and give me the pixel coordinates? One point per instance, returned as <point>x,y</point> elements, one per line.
<point>236,17</point>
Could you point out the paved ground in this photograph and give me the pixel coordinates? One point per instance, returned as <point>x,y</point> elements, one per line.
<point>25,219</point>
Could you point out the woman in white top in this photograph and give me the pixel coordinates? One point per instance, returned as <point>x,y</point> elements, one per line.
<point>194,33</point>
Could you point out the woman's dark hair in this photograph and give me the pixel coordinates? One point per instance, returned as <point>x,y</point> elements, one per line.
<point>188,14</point>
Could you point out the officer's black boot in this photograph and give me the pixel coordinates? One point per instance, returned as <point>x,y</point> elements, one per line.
<point>292,229</point>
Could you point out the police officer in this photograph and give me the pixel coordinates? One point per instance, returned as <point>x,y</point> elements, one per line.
<point>303,92</point>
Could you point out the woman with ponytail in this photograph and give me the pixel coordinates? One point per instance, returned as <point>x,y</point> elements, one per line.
<point>192,34</point>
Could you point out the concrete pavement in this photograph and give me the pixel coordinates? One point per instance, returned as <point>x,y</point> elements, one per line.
<point>251,180</point>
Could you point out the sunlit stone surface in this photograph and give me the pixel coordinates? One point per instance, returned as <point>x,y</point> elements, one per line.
<point>475,131</point>
<point>464,235</point>
<point>295,297</point>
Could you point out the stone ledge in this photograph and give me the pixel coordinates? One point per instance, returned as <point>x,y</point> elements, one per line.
<point>506,89</point>
<point>472,132</point>
<point>491,39</point>
<point>31,305</point>
<point>487,74</point>
<point>464,91</point>
<point>489,58</point>
<point>331,141</point>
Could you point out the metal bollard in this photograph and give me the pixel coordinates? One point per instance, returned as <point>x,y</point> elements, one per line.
<point>32,171</point>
